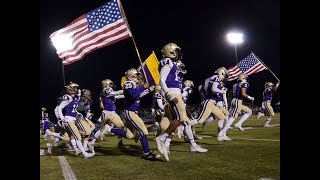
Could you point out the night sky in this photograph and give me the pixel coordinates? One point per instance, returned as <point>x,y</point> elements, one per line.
<point>198,27</point>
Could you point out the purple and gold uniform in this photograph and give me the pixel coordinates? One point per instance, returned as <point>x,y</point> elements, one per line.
<point>69,104</point>
<point>109,116</point>
<point>84,123</point>
<point>210,104</point>
<point>266,104</point>
<point>171,83</point>
<point>172,69</point>
<point>133,92</point>
<point>236,103</point>
<point>158,103</point>
<point>46,124</point>
<point>267,98</point>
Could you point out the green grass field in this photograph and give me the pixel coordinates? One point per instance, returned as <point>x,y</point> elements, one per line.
<point>252,154</point>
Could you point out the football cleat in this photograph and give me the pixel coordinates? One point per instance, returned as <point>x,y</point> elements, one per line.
<point>77,151</point>
<point>260,115</point>
<point>198,148</point>
<point>91,146</point>
<point>49,146</point>
<point>160,144</point>
<point>267,125</point>
<point>239,127</point>
<point>88,155</point>
<point>150,156</point>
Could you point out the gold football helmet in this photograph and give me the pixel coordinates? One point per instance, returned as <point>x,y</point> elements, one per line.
<point>72,88</point>
<point>242,77</point>
<point>222,72</point>
<point>106,83</point>
<point>86,93</point>
<point>268,84</point>
<point>173,51</point>
<point>132,74</point>
<point>188,83</point>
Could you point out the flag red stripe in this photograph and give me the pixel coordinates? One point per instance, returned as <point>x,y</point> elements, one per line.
<point>86,37</point>
<point>80,49</point>
<point>99,44</point>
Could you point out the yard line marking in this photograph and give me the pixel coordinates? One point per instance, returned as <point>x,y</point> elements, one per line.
<point>252,139</point>
<point>66,169</point>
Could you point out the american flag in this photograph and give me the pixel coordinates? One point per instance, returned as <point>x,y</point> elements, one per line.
<point>101,27</point>
<point>248,65</point>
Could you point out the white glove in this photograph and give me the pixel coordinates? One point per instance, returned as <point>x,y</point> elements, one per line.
<point>194,122</point>
<point>251,98</point>
<point>151,88</point>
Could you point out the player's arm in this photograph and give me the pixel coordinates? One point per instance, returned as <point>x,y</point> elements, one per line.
<point>244,94</point>
<point>215,88</point>
<point>225,100</point>
<point>101,104</point>
<point>276,86</point>
<point>63,104</point>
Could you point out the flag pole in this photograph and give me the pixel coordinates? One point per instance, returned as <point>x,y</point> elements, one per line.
<point>265,66</point>
<point>134,42</point>
<point>63,77</point>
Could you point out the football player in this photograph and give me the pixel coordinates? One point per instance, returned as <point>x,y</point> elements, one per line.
<point>69,103</point>
<point>157,108</point>
<point>175,111</point>
<point>214,93</point>
<point>46,124</point>
<point>109,117</point>
<point>133,92</point>
<point>239,92</point>
<point>187,89</point>
<point>83,122</point>
<point>266,104</point>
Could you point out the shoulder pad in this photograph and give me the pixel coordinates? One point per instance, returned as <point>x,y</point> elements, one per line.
<point>166,61</point>
<point>106,91</point>
<point>66,97</point>
<point>215,78</point>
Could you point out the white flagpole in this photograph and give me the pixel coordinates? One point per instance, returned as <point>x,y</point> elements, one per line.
<point>265,66</point>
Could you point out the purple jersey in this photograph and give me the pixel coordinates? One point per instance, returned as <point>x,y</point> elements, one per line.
<point>219,95</point>
<point>133,92</point>
<point>108,102</point>
<point>267,94</point>
<point>211,94</point>
<point>46,124</point>
<point>71,108</point>
<point>237,89</point>
<point>174,80</point>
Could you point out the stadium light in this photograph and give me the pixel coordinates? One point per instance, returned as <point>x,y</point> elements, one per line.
<point>235,38</point>
<point>62,42</point>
